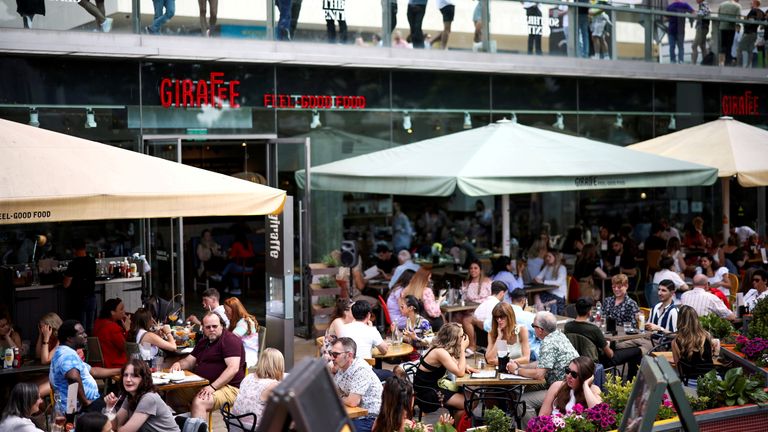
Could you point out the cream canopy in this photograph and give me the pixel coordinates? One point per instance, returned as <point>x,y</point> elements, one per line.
<point>50,177</point>
<point>734,148</point>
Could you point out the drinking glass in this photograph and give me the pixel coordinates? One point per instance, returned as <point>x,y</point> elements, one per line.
<point>627,326</point>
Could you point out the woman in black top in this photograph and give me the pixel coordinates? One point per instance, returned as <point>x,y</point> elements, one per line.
<point>692,348</point>
<point>446,353</point>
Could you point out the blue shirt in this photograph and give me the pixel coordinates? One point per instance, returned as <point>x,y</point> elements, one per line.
<point>65,359</point>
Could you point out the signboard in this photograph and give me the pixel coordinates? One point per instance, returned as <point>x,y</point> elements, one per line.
<point>740,105</point>
<point>214,92</point>
<point>300,101</point>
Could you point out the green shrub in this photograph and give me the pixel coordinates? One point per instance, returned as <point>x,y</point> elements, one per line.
<point>330,261</point>
<point>758,327</point>
<point>328,282</point>
<point>719,328</point>
<point>497,420</point>
<point>735,389</point>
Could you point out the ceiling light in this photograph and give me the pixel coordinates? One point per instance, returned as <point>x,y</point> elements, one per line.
<point>619,123</point>
<point>315,120</point>
<point>407,125</point>
<point>559,123</point>
<point>34,119</point>
<point>90,119</point>
<point>672,123</point>
<point>467,120</point>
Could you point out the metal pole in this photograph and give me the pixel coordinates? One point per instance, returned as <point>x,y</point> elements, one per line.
<point>136,16</point>
<point>726,186</point>
<point>486,17</point>
<point>386,23</point>
<point>505,243</point>
<point>761,211</point>
<point>270,21</point>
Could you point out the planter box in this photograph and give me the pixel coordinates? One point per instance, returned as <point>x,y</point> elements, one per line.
<point>743,418</point>
<point>748,365</point>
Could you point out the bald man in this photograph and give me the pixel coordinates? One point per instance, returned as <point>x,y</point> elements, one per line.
<point>704,302</point>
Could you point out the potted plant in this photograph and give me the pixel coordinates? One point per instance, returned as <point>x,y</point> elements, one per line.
<point>758,327</point>
<point>719,328</point>
<point>497,420</point>
<point>602,417</point>
<point>735,389</point>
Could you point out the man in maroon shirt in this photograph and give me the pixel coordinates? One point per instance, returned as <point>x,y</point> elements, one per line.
<point>220,358</point>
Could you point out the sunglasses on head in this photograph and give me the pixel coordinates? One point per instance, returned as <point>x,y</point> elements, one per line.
<point>573,374</point>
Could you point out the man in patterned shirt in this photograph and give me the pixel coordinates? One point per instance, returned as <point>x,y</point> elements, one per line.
<point>357,384</point>
<point>555,355</point>
<point>67,368</point>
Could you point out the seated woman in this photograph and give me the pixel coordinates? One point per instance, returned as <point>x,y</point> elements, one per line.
<point>718,276</point>
<point>446,353</point>
<point>110,327</point>
<point>416,327</point>
<point>420,287</point>
<point>576,388</point>
<point>149,341</point>
<point>553,273</point>
<point>141,408</point>
<point>394,296</point>
<point>342,314</point>
<point>396,411</point>
<point>9,338</point>
<point>209,254</point>
<point>476,289</point>
<point>23,403</point>
<point>505,328</point>
<point>693,347</point>
<point>47,340</point>
<point>587,270</point>
<point>245,326</point>
<point>256,387</point>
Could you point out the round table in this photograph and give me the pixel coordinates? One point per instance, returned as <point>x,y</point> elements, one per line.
<point>394,351</point>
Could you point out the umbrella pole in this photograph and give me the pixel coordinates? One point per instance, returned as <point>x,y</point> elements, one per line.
<point>505,225</point>
<point>725,184</point>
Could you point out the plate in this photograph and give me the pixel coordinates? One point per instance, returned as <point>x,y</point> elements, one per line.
<point>176,376</point>
<point>160,381</point>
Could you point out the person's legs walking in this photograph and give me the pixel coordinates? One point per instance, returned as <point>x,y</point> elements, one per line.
<point>330,27</point>
<point>214,14</point>
<point>415,18</point>
<point>672,47</point>
<point>203,6</point>
<point>284,22</point>
<point>583,35</point>
<point>392,17</point>
<point>343,35</point>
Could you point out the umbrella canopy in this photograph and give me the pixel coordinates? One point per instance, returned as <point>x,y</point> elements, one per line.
<point>733,147</point>
<point>504,158</point>
<point>49,177</point>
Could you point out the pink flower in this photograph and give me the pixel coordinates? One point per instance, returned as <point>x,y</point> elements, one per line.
<point>558,422</point>
<point>578,408</point>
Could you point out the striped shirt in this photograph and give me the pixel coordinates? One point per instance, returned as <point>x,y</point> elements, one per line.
<point>665,317</point>
<point>704,303</point>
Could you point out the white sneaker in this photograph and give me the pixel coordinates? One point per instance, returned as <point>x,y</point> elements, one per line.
<point>106,26</point>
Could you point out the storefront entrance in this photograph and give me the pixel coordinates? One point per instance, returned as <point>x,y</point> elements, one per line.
<point>172,244</point>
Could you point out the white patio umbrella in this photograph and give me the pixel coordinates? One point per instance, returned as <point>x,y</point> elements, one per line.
<point>504,158</point>
<point>47,176</point>
<point>734,148</point>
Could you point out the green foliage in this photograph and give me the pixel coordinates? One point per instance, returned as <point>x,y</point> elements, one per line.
<point>616,393</point>
<point>735,389</point>
<point>718,327</point>
<point>330,261</point>
<point>328,282</point>
<point>758,327</point>
<point>444,427</point>
<point>497,420</point>
<point>326,301</point>
<point>698,403</point>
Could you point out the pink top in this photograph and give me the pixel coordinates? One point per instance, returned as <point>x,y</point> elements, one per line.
<point>430,304</point>
<point>473,294</point>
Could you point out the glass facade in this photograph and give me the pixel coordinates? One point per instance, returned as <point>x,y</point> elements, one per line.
<point>400,107</point>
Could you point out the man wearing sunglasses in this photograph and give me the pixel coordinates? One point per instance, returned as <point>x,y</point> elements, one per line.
<point>759,290</point>
<point>356,383</point>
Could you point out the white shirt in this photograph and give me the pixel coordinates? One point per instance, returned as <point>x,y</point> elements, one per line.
<point>223,314</point>
<point>545,274</point>
<point>366,337</point>
<point>704,303</point>
<point>485,310</point>
<point>752,296</point>
<point>720,274</point>
<point>744,232</point>
<point>668,274</point>
<point>443,3</point>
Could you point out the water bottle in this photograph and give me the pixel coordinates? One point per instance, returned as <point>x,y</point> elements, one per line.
<point>599,314</point>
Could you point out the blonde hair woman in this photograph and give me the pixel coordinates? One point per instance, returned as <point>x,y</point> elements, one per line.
<point>47,339</point>
<point>446,353</point>
<point>553,273</point>
<point>504,327</point>
<point>256,387</point>
<point>420,287</point>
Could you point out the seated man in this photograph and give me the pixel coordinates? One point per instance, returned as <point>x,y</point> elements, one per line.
<point>608,357</point>
<point>556,354</point>
<point>484,310</point>
<point>406,263</point>
<point>356,382</point>
<point>67,368</point>
<point>703,301</point>
<point>219,358</point>
<point>760,290</point>
<point>385,261</point>
<point>365,335</point>
<point>211,299</point>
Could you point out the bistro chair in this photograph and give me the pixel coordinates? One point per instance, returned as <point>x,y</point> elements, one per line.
<point>481,399</point>
<point>734,287</point>
<point>236,421</point>
<point>132,349</point>
<point>319,342</point>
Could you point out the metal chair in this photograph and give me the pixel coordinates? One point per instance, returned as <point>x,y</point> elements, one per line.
<point>481,399</point>
<point>93,352</point>
<point>231,420</point>
<point>132,349</point>
<point>734,287</point>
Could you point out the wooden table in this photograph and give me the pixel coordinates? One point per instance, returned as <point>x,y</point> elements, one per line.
<point>449,310</point>
<point>467,380</point>
<point>196,381</point>
<point>671,359</point>
<point>26,368</point>
<point>355,412</point>
<point>394,351</point>
<point>620,336</point>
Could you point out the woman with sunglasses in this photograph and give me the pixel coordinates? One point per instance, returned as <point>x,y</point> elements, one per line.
<point>446,353</point>
<point>577,387</point>
<point>504,327</point>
